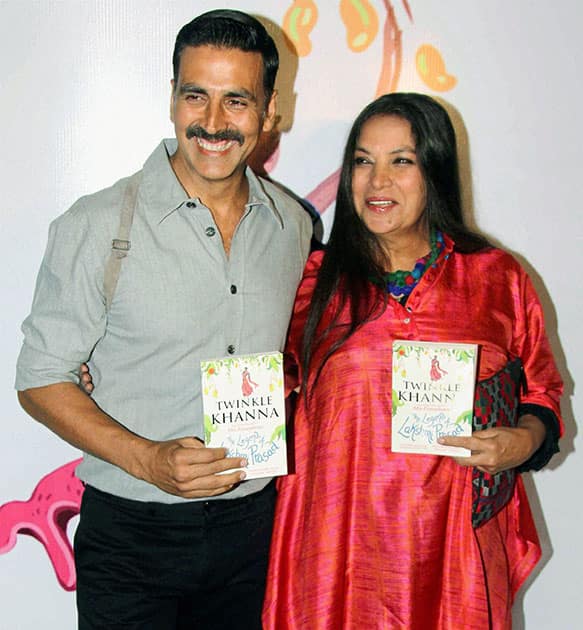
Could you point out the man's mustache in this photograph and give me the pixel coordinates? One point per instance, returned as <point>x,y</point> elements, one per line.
<point>225,135</point>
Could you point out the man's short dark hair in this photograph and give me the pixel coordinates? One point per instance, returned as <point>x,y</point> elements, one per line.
<point>225,28</point>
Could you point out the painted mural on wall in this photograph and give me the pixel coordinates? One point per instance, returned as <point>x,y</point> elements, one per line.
<point>53,503</point>
<point>56,499</point>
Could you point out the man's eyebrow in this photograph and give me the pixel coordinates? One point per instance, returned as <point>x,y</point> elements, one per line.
<point>193,88</point>
<point>242,93</point>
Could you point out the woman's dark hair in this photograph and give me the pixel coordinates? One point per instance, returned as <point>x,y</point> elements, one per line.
<point>353,255</point>
<point>225,28</point>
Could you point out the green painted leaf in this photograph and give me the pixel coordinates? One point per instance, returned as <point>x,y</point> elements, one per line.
<point>209,428</point>
<point>465,417</point>
<point>396,402</point>
<point>278,433</point>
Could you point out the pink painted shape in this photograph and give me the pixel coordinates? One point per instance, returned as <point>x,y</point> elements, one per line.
<point>272,160</point>
<point>55,500</point>
<point>324,194</point>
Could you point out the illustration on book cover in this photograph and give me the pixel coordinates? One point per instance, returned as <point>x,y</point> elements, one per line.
<point>432,395</point>
<point>244,410</point>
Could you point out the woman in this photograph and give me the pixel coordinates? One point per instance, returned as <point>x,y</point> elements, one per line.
<point>368,538</point>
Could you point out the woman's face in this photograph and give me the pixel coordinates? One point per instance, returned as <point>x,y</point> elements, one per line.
<point>387,184</point>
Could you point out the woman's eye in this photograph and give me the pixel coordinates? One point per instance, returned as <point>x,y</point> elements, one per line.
<point>359,161</point>
<point>403,160</point>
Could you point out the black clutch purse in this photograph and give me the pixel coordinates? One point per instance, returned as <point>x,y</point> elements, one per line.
<point>495,405</point>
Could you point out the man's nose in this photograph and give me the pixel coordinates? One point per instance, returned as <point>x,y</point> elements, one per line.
<point>214,117</point>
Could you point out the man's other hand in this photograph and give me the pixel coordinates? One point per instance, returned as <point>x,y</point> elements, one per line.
<point>186,468</point>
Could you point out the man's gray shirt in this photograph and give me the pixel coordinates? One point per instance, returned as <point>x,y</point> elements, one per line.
<point>179,299</point>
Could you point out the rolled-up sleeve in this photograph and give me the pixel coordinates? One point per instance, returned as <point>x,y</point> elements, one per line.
<point>68,313</point>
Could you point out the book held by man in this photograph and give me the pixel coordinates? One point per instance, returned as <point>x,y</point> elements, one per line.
<point>433,395</point>
<point>244,410</point>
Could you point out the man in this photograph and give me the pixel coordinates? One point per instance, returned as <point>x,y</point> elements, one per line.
<point>216,255</point>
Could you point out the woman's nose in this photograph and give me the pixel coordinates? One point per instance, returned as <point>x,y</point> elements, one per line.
<point>381,177</point>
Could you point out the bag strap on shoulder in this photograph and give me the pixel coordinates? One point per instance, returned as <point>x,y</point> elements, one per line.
<point>121,245</point>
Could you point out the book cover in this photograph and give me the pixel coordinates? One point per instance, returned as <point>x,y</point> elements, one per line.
<point>244,410</point>
<point>433,395</point>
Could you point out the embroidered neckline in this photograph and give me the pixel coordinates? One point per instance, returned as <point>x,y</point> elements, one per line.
<point>399,283</point>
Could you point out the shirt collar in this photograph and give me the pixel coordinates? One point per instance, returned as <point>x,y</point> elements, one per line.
<point>258,196</point>
<point>164,194</point>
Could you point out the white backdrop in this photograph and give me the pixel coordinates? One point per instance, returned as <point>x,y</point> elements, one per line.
<point>84,99</point>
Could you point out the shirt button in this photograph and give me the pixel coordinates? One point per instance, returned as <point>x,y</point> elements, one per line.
<point>407,320</point>
<point>231,349</point>
<point>409,309</point>
<point>233,289</point>
<point>210,231</point>
<point>190,204</point>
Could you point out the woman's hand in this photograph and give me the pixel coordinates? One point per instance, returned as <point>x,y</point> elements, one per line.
<point>85,380</point>
<point>500,448</point>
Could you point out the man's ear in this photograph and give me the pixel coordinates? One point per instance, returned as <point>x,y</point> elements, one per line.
<point>172,100</point>
<point>270,113</point>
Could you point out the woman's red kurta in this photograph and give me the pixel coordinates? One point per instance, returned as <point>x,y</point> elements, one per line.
<point>366,538</point>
